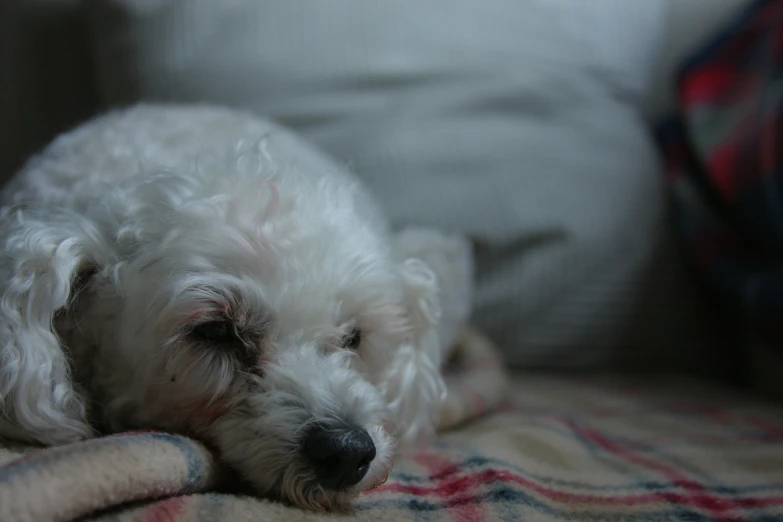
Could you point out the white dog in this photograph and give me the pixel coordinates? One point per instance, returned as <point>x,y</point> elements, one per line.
<point>203,271</point>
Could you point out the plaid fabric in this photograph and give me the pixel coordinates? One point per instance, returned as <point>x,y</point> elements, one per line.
<point>724,152</point>
<point>560,450</point>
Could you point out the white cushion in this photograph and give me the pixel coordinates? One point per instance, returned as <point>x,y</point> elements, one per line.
<point>517,122</point>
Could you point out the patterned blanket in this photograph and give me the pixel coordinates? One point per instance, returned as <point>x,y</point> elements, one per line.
<point>556,449</point>
<point>724,156</point>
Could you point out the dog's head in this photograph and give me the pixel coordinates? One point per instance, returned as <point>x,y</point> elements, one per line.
<point>267,318</point>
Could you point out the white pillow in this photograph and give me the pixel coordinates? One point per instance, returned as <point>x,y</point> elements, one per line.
<point>514,121</point>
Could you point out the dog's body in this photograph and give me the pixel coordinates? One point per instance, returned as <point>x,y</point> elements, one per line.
<point>203,271</point>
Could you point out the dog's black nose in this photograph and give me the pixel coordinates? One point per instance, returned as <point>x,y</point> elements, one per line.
<point>340,455</point>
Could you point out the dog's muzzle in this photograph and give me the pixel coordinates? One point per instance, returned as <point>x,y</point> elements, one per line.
<point>340,455</point>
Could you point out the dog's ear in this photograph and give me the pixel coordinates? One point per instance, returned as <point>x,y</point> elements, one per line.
<point>437,273</point>
<point>42,253</point>
<point>413,384</point>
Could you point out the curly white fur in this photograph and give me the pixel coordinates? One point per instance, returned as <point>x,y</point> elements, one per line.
<point>129,232</point>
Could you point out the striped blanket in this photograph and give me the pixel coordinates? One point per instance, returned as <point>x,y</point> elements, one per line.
<point>557,449</point>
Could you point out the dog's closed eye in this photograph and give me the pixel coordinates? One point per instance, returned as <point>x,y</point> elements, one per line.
<point>353,339</point>
<point>219,332</point>
<point>223,335</point>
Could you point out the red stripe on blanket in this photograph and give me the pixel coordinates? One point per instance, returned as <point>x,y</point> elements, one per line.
<point>131,433</point>
<point>23,458</point>
<point>169,510</point>
<point>772,430</point>
<point>699,496</point>
<point>457,487</point>
<point>462,507</point>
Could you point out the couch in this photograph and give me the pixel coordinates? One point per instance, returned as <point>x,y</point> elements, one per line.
<point>631,397</point>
